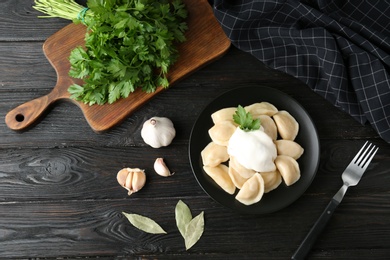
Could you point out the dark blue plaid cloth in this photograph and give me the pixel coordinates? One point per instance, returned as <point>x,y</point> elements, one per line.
<point>339,48</point>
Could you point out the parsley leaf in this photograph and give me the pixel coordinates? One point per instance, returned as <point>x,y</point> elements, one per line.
<point>245,120</point>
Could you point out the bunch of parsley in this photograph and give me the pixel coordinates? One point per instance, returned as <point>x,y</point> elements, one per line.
<point>129,44</point>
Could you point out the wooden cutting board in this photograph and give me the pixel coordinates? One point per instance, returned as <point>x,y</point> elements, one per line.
<point>206,42</point>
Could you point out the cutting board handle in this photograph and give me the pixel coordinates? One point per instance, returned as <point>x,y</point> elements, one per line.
<point>26,114</point>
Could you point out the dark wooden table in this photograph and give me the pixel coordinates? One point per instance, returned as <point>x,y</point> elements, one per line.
<point>59,197</point>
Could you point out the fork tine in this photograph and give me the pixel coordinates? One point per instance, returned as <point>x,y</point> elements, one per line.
<point>362,153</point>
<point>369,157</point>
<point>355,159</point>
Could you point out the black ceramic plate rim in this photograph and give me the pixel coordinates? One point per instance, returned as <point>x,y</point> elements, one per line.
<point>307,137</point>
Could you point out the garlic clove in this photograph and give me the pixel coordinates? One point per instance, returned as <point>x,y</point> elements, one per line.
<point>132,179</point>
<point>158,132</point>
<point>138,181</point>
<point>161,168</point>
<point>122,176</point>
<point>129,180</point>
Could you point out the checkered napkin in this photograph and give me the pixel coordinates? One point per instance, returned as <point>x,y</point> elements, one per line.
<point>341,49</point>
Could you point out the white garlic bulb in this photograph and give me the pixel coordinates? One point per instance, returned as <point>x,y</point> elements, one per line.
<point>161,168</point>
<point>132,179</point>
<point>158,132</point>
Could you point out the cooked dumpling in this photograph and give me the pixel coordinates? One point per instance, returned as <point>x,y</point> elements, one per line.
<point>244,172</point>
<point>269,126</point>
<point>262,108</point>
<point>237,179</point>
<point>288,127</point>
<point>272,180</point>
<point>221,132</point>
<point>221,176</point>
<point>289,148</point>
<point>288,168</point>
<point>223,114</point>
<point>214,154</point>
<point>252,191</point>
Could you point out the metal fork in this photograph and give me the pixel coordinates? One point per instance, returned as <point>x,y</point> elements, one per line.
<point>351,177</point>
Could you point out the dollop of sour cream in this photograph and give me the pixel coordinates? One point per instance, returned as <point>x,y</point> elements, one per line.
<point>253,150</point>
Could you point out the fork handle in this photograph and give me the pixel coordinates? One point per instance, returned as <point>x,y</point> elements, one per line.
<point>315,231</point>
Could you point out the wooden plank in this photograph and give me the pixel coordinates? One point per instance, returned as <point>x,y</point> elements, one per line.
<point>92,228</point>
<point>20,22</point>
<point>24,68</point>
<point>90,173</point>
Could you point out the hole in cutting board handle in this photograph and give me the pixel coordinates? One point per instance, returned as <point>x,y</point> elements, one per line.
<point>19,118</point>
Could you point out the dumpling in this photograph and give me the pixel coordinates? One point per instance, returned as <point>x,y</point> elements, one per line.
<point>221,132</point>
<point>252,191</point>
<point>237,179</point>
<point>288,127</point>
<point>244,172</point>
<point>289,148</point>
<point>221,176</point>
<point>272,180</point>
<point>269,126</point>
<point>223,114</point>
<point>288,168</point>
<point>262,108</point>
<point>214,154</point>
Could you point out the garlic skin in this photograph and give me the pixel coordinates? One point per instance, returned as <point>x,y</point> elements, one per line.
<point>158,132</point>
<point>132,179</point>
<point>161,168</point>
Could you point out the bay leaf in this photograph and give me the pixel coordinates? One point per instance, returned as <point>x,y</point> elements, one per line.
<point>183,216</point>
<point>194,230</point>
<point>144,223</point>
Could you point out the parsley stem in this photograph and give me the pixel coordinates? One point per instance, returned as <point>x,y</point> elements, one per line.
<point>66,9</point>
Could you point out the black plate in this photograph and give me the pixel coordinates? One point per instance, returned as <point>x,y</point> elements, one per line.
<point>307,138</point>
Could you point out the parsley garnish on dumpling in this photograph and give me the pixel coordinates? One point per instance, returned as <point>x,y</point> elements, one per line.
<point>245,120</point>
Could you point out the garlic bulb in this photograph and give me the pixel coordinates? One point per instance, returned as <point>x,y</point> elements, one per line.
<point>158,132</point>
<point>132,179</point>
<point>161,168</point>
